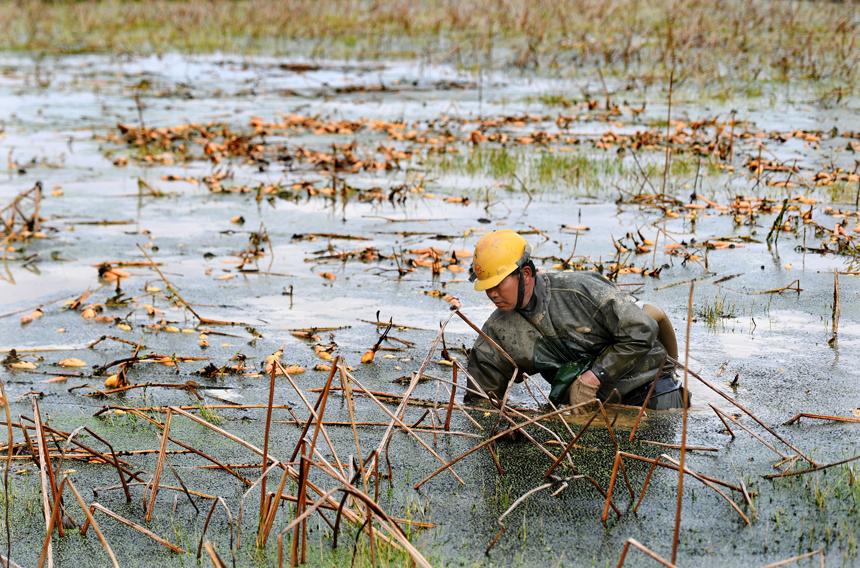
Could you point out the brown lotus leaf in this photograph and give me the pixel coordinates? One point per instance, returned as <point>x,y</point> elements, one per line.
<point>32,316</point>
<point>56,380</point>
<point>113,382</point>
<point>272,359</point>
<point>113,274</point>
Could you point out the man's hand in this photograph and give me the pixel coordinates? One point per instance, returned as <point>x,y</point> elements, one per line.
<point>583,390</point>
<point>590,379</point>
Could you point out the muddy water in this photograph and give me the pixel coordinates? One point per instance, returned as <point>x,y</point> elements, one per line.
<point>55,119</point>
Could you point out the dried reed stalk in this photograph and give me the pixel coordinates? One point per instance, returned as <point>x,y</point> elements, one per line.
<point>10,439</point>
<point>416,378</point>
<point>644,403</point>
<point>159,466</point>
<point>206,527</point>
<point>797,418</point>
<point>175,291</point>
<point>192,449</point>
<point>570,445</point>
<point>263,512</point>
<point>268,518</point>
<point>798,558</point>
<point>818,467</point>
<point>305,514</point>
<point>685,404</point>
<point>746,411</point>
<point>115,462</point>
<point>644,550</point>
<point>43,477</point>
<point>213,555</point>
<point>723,420</point>
<point>834,320</point>
<point>302,495</point>
<point>678,446</point>
<point>163,487</point>
<point>704,479</point>
<point>492,439</point>
<point>451,398</point>
<point>276,463</point>
<point>512,410</point>
<point>93,522</point>
<point>396,420</point>
<point>312,409</point>
<point>49,530</point>
<point>611,430</point>
<point>346,384</point>
<point>514,505</point>
<point>142,530</point>
<point>737,423</point>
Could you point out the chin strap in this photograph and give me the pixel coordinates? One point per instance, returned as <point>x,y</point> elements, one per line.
<point>521,290</point>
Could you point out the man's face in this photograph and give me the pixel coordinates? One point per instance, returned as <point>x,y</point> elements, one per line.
<point>504,294</point>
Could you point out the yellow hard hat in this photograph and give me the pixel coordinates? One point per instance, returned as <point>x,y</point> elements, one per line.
<point>497,255</point>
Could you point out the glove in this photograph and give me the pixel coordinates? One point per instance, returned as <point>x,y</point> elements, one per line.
<point>580,393</point>
<point>564,378</point>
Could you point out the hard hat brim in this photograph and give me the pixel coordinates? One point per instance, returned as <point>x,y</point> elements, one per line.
<point>493,281</point>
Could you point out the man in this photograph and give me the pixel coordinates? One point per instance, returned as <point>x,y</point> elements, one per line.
<point>576,329</point>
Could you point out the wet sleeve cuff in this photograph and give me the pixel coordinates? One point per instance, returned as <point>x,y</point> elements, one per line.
<point>600,373</point>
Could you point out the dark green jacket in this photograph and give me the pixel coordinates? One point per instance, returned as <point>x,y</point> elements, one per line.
<point>573,316</point>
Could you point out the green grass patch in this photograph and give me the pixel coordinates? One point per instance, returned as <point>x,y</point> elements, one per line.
<point>537,168</point>
<point>843,192</point>
<point>553,99</point>
<point>497,162</point>
<point>714,312</point>
<point>575,169</point>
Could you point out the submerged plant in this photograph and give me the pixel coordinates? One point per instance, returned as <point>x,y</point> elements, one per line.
<point>715,312</point>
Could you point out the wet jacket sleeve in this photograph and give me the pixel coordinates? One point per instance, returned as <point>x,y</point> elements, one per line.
<point>631,334</point>
<point>488,369</point>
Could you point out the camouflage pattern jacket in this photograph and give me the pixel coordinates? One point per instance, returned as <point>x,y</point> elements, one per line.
<point>571,316</point>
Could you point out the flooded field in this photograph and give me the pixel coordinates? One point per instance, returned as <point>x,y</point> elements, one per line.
<point>182,226</point>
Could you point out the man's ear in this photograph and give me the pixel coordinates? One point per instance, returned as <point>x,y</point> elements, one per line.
<point>528,271</point>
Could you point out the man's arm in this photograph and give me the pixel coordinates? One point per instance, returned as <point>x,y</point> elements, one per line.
<point>631,334</point>
<point>489,369</point>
